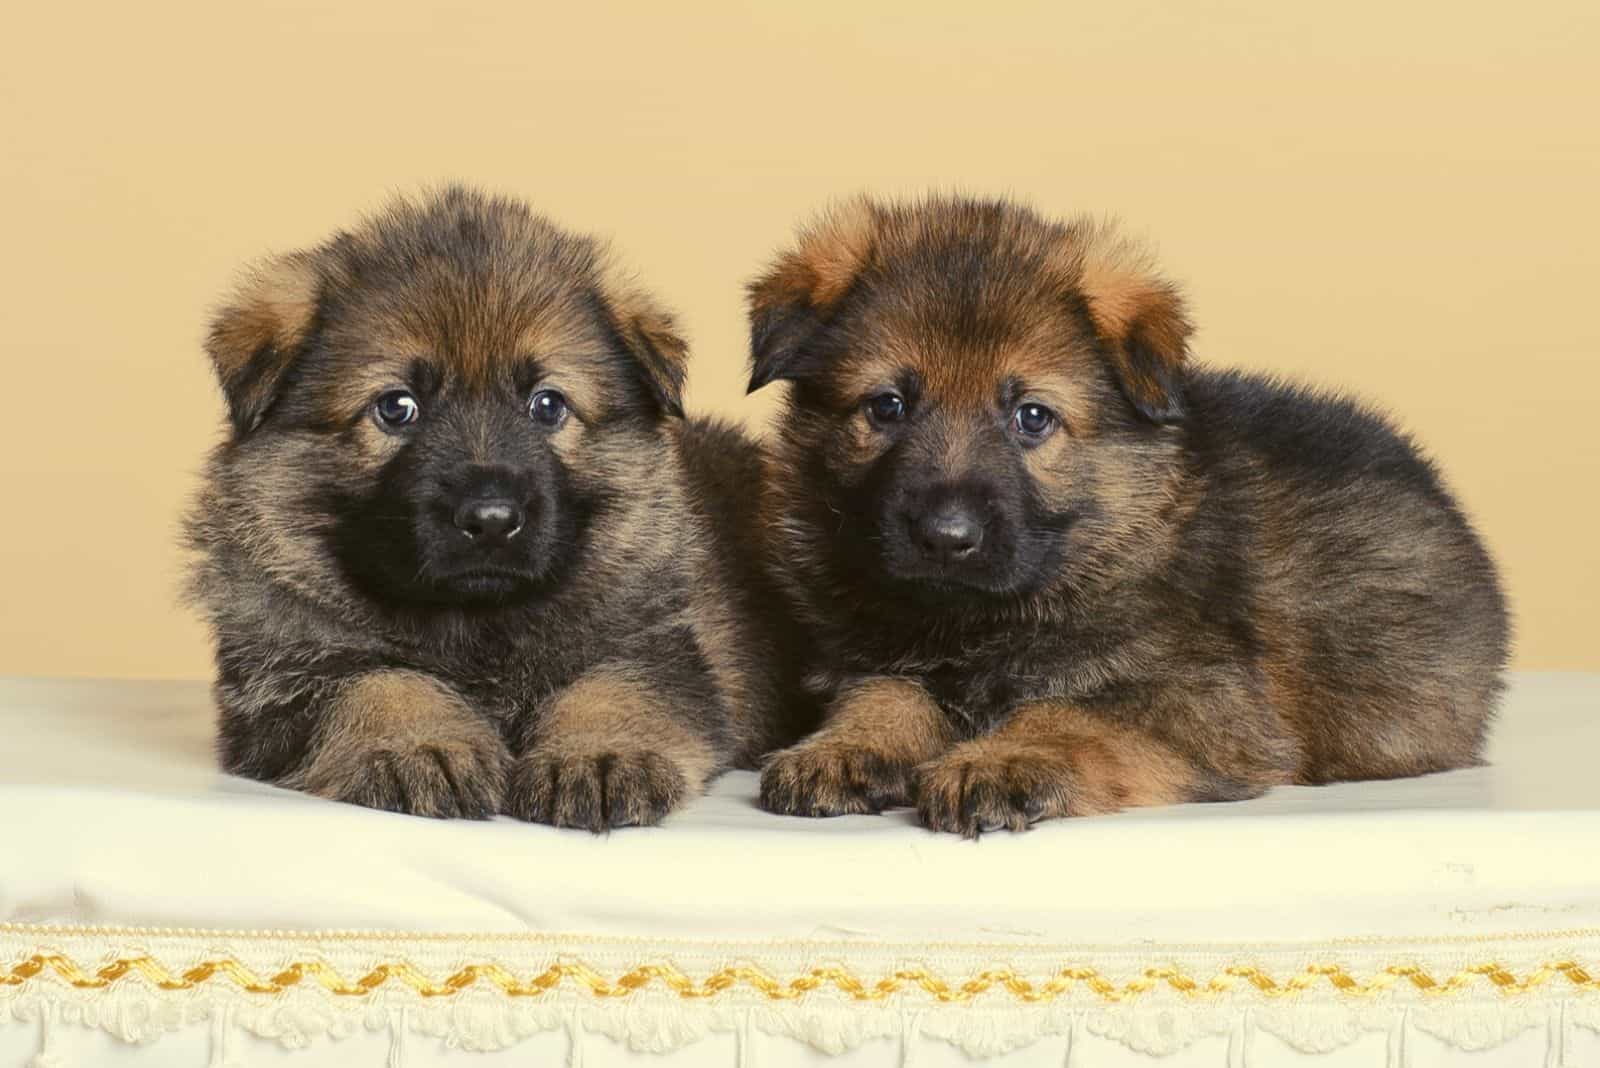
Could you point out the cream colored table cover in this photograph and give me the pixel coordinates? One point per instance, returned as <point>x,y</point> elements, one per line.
<point>153,911</point>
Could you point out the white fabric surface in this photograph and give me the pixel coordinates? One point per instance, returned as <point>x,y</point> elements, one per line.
<point>111,816</point>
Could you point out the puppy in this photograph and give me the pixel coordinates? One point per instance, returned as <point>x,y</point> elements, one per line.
<point>460,553</point>
<point>1052,570</point>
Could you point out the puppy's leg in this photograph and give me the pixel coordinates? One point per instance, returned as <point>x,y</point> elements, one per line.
<point>620,747</point>
<point>861,760</point>
<point>1052,759</point>
<point>406,742</point>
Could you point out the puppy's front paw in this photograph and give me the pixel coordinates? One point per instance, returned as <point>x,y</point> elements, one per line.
<point>446,777</point>
<point>988,785</point>
<point>596,790</point>
<point>402,742</point>
<point>822,777</point>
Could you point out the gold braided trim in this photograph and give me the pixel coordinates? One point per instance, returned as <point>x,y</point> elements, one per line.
<point>840,979</point>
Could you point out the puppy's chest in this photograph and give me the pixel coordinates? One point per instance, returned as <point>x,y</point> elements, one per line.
<point>976,701</point>
<point>511,687</point>
<point>506,679</point>
<point>979,688</point>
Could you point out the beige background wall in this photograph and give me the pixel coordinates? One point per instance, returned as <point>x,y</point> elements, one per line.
<point>1396,198</point>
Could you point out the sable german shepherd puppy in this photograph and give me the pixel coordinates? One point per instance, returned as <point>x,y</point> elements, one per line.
<point>460,552</point>
<point>1052,570</point>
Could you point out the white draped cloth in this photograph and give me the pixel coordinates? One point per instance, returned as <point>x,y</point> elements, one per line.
<point>155,911</point>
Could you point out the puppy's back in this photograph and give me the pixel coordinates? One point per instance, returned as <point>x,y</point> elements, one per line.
<point>1374,592</point>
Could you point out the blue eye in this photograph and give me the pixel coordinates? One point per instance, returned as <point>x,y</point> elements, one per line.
<point>547,407</point>
<point>1033,420</point>
<point>886,408</point>
<point>396,409</point>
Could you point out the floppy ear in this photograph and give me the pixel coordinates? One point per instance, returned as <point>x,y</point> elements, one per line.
<point>793,299</point>
<point>1139,315</point>
<point>256,335</point>
<point>651,335</point>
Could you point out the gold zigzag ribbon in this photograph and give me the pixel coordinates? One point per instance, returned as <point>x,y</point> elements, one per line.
<point>839,978</point>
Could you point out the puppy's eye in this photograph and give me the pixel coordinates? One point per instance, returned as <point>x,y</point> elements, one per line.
<point>1033,420</point>
<point>886,408</point>
<point>396,409</point>
<point>547,407</point>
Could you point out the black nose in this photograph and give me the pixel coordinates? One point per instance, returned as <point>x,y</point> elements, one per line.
<point>948,533</point>
<point>490,519</point>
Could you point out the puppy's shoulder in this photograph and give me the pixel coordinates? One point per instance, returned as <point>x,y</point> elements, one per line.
<point>724,469</point>
<point>1291,430</point>
<point>718,454</point>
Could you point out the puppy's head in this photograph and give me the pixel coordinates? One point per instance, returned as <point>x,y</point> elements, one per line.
<point>433,405</point>
<point>981,398</point>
